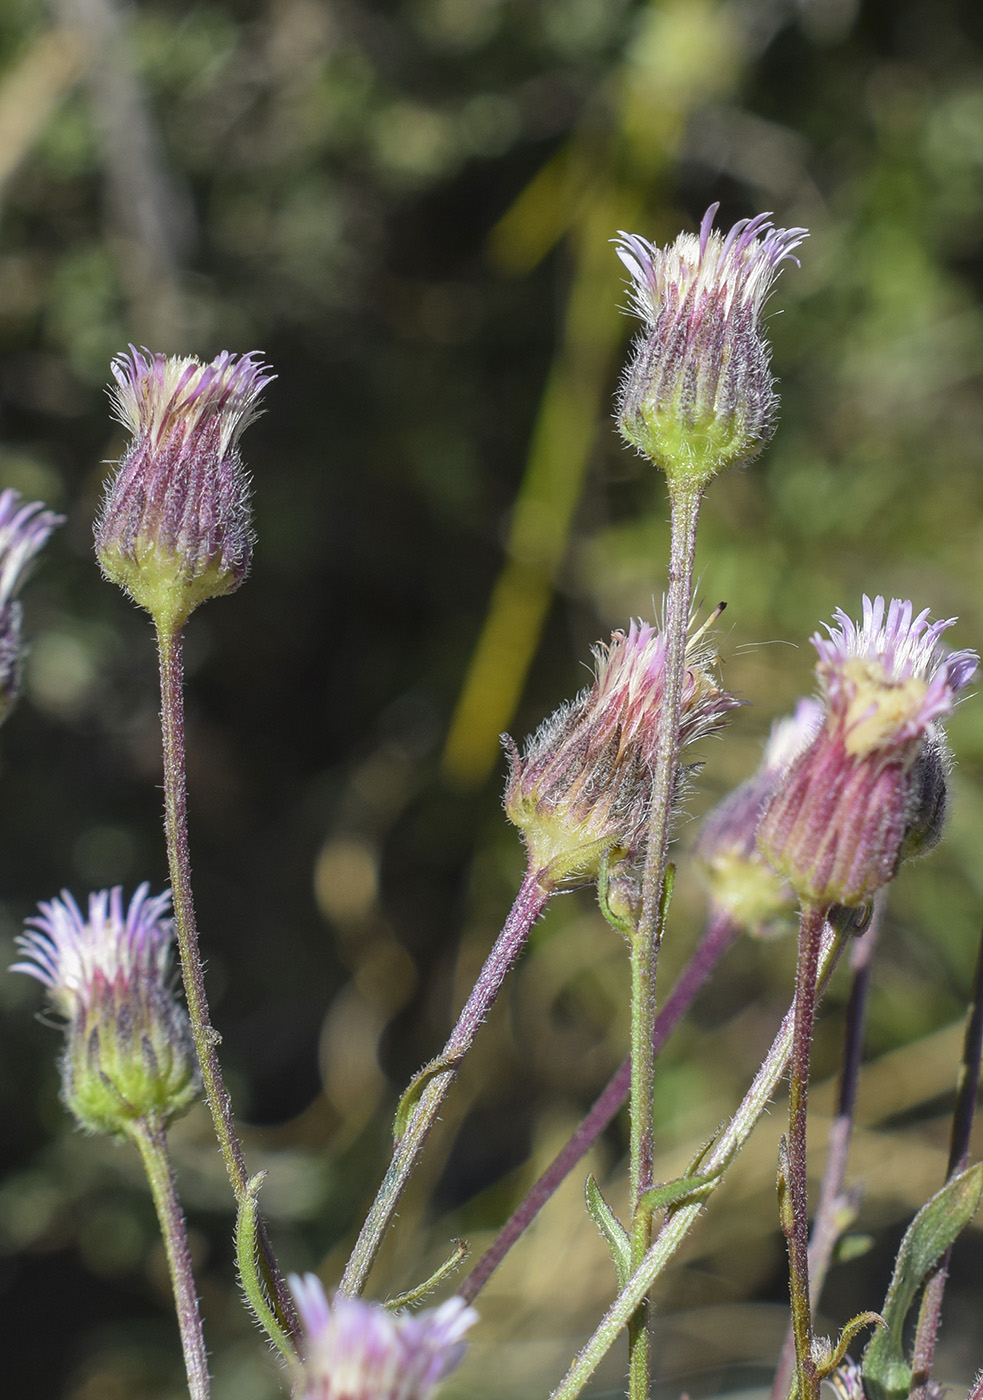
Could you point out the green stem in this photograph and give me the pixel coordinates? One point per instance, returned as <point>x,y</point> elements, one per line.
<point>685,505</point>
<point>169,644</point>
<point>794,1176</point>
<point>680,1220</point>
<point>151,1142</point>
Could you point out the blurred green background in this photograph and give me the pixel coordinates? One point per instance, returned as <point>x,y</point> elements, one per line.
<point>408,206</point>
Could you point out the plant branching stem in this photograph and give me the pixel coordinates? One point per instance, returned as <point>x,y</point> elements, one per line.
<point>151,1141</point>
<point>827,1221</point>
<point>680,1220</point>
<point>529,904</point>
<point>685,511</point>
<point>794,1174</point>
<point>720,934</point>
<point>169,643</point>
<point>930,1311</point>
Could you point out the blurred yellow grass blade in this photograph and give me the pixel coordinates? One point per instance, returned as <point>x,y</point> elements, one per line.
<point>561,446</point>
<point>683,53</point>
<point>32,90</point>
<point>551,202</point>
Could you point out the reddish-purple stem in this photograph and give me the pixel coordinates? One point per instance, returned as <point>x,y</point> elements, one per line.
<point>930,1312</point>
<point>529,904</point>
<point>826,1228</point>
<point>206,1039</point>
<point>720,934</point>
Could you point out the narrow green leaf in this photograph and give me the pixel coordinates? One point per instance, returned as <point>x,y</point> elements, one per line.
<point>682,1188</point>
<point>250,1275</point>
<point>413,1295</point>
<point>886,1373</point>
<point>611,1228</point>
<point>835,1357</point>
<point>412,1094</point>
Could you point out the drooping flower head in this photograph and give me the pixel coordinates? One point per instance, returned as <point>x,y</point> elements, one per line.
<point>358,1350</point>
<point>128,1053</point>
<point>740,881</point>
<point>24,530</point>
<point>698,394</point>
<point>870,789</point>
<point>175,528</point>
<point>581,790</point>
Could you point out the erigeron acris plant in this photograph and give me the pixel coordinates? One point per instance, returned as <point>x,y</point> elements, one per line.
<point>849,788</point>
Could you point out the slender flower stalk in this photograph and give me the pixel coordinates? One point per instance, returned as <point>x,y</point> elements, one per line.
<point>421,1104</point>
<point>150,1141</point>
<point>680,1219</point>
<point>647,940</point>
<point>792,1174</point>
<point>697,397</point>
<point>174,531</point>
<point>206,1038</point>
<point>24,530</point>
<point>720,933</point>
<point>128,1067</point>
<point>835,1208</point>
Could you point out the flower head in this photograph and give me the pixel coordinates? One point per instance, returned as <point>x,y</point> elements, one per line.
<point>741,882</point>
<point>698,395</point>
<point>870,789</point>
<point>23,531</point>
<point>357,1350</point>
<point>128,1053</point>
<point>581,790</point>
<point>174,528</point>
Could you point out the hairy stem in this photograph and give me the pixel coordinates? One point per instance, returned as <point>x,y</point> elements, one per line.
<point>793,1175</point>
<point>433,1084</point>
<point>930,1312</point>
<point>685,508</point>
<point>151,1142</point>
<point>169,643</point>
<point>720,934</point>
<point>680,1220</point>
<point>827,1222</point>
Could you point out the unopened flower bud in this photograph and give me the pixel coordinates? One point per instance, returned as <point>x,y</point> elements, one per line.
<point>357,1350</point>
<point>740,881</point>
<point>128,1055</point>
<point>23,531</point>
<point>869,790</point>
<point>174,529</point>
<point>582,787</point>
<point>698,394</point>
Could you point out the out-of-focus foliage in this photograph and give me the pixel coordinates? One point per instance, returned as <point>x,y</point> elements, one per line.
<point>407,205</point>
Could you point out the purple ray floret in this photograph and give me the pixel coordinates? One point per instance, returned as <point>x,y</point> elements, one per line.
<point>358,1350</point>
<point>904,647</point>
<point>24,530</point>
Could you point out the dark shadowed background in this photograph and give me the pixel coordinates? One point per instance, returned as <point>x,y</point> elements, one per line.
<point>408,207</point>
